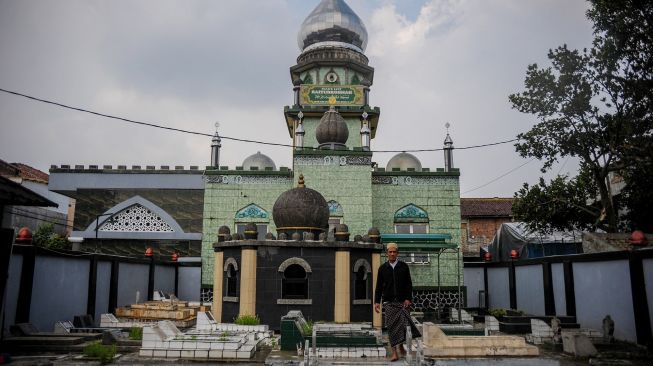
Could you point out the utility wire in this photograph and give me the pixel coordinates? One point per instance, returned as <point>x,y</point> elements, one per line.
<point>499,177</point>
<point>226,137</point>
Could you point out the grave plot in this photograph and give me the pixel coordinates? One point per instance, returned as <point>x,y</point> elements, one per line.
<point>165,340</point>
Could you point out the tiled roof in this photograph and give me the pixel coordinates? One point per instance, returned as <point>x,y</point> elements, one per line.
<point>486,207</point>
<point>32,174</point>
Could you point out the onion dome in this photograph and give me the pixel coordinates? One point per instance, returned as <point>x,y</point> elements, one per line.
<point>341,232</point>
<point>404,161</point>
<point>300,210</point>
<point>258,161</point>
<point>374,235</point>
<point>223,233</point>
<point>251,231</point>
<point>332,23</point>
<point>332,132</point>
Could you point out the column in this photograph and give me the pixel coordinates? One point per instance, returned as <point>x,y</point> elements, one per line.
<point>376,263</point>
<point>248,282</point>
<point>341,310</point>
<point>218,273</point>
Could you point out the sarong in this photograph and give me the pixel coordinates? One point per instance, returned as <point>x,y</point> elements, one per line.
<point>397,318</point>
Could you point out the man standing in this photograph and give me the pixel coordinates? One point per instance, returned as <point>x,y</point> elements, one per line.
<point>395,286</point>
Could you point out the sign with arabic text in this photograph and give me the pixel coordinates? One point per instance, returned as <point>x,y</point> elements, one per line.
<point>332,95</point>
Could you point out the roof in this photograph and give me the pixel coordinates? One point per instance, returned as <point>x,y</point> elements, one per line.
<point>486,207</point>
<point>12,193</point>
<point>32,174</point>
<point>23,171</point>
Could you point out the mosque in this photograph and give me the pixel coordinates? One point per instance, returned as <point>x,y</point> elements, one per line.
<point>308,237</point>
<point>331,125</point>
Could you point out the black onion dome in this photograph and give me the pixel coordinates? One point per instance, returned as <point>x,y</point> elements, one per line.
<point>332,132</point>
<point>301,210</point>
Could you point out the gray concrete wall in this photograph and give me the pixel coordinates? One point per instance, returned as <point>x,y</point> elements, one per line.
<point>133,277</point>
<point>474,283</point>
<point>164,279</point>
<point>498,288</point>
<point>59,290</point>
<point>102,289</point>
<point>530,289</point>
<point>648,276</point>
<point>558,277</point>
<point>603,288</point>
<point>13,285</point>
<point>190,282</point>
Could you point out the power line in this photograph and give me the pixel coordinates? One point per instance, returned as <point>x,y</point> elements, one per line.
<point>147,124</point>
<point>499,177</point>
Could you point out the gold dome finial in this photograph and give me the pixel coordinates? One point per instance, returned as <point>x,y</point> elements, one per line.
<point>300,183</point>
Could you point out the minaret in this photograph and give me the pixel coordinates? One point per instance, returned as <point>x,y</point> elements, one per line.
<point>332,71</point>
<point>216,144</point>
<point>448,151</point>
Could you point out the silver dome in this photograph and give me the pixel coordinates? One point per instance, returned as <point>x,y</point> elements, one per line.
<point>331,23</point>
<point>404,161</point>
<point>259,161</point>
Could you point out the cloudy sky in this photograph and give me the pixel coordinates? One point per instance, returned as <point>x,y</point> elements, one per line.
<point>187,64</point>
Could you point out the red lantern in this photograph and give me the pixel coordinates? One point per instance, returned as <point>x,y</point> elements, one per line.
<point>637,238</point>
<point>175,256</point>
<point>24,236</point>
<point>149,252</point>
<point>514,254</point>
<point>487,256</point>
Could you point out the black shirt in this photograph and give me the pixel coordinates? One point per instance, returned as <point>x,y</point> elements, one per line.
<point>393,284</point>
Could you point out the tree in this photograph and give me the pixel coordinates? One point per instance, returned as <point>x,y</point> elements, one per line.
<point>596,105</point>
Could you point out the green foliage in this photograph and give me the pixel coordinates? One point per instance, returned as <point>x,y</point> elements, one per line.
<point>136,333</point>
<point>498,312</point>
<point>248,320</point>
<point>560,203</point>
<point>104,353</point>
<point>307,327</point>
<point>594,105</point>
<point>46,237</point>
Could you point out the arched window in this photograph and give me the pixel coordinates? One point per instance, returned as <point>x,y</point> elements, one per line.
<point>232,281</point>
<point>362,281</point>
<point>335,214</point>
<point>231,278</point>
<point>295,283</point>
<point>411,219</point>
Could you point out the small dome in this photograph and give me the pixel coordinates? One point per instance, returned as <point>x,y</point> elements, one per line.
<point>404,161</point>
<point>259,161</point>
<point>332,132</point>
<point>300,210</point>
<point>333,23</point>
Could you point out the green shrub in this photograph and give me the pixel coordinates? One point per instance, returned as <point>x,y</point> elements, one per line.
<point>136,333</point>
<point>247,320</point>
<point>104,353</point>
<point>307,327</point>
<point>498,312</point>
<point>46,237</point>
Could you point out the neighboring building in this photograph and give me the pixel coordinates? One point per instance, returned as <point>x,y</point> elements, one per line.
<point>134,208</point>
<point>60,215</point>
<point>480,220</point>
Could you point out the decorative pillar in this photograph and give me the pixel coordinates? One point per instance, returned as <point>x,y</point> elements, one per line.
<point>248,282</point>
<point>365,133</point>
<point>218,274</point>
<point>341,310</point>
<point>376,263</point>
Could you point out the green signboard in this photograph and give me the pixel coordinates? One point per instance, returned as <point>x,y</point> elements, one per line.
<point>332,95</point>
